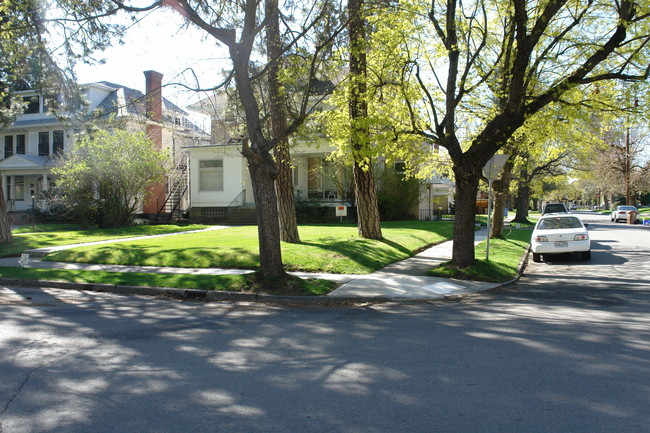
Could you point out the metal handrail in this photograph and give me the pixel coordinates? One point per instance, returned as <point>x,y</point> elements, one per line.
<point>240,198</point>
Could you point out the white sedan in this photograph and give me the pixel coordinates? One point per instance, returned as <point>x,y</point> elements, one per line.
<point>559,234</point>
<point>621,212</point>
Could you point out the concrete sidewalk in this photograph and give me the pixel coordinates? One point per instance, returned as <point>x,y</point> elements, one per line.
<point>407,278</point>
<point>403,280</point>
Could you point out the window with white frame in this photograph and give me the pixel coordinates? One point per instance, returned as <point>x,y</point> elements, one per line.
<point>9,146</point>
<point>211,175</point>
<point>14,145</point>
<point>33,104</point>
<point>20,144</point>
<point>43,144</point>
<point>57,142</point>
<point>19,188</point>
<point>329,180</point>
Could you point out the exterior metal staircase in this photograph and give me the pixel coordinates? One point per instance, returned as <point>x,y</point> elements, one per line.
<point>178,184</point>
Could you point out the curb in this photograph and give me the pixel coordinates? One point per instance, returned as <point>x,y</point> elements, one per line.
<point>199,295</point>
<point>204,295</point>
<point>523,263</point>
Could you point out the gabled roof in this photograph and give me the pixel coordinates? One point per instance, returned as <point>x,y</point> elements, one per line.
<point>132,101</point>
<point>35,122</point>
<point>17,162</point>
<point>213,104</point>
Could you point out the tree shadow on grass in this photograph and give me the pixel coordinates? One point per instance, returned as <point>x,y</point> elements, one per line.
<point>142,256</point>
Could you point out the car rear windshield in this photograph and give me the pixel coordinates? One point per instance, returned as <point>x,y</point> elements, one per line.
<point>554,208</point>
<point>626,208</point>
<point>560,223</point>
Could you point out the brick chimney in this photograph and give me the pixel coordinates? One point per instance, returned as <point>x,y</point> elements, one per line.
<point>153,96</point>
<point>153,107</point>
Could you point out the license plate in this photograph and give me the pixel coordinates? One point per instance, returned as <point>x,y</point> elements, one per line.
<point>561,244</point>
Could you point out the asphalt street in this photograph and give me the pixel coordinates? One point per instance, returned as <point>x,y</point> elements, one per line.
<point>567,349</point>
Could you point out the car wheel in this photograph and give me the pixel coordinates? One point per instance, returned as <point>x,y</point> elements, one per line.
<point>537,257</point>
<point>586,255</point>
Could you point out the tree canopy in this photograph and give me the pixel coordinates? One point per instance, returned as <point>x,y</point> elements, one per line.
<point>485,67</point>
<point>464,77</point>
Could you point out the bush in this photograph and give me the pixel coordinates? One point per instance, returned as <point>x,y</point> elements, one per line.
<point>313,211</point>
<point>398,196</point>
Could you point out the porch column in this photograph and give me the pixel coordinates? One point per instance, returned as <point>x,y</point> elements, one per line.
<point>5,193</point>
<point>46,183</point>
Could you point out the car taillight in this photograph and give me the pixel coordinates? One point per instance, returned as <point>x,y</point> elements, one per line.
<point>541,239</point>
<point>580,237</point>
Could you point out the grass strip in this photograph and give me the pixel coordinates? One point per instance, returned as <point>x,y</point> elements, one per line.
<point>503,265</point>
<point>232,283</point>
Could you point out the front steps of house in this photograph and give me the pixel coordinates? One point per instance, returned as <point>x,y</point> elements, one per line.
<point>19,218</point>
<point>245,215</point>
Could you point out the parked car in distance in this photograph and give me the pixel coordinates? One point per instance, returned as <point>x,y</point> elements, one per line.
<point>554,208</point>
<point>560,234</point>
<point>620,213</point>
<point>573,207</point>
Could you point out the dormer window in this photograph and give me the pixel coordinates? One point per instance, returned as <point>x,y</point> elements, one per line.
<point>33,104</point>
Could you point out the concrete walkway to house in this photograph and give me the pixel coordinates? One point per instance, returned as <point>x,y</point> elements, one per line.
<point>403,280</point>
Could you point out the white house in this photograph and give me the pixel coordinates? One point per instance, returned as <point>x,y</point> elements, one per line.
<point>220,181</point>
<point>37,135</point>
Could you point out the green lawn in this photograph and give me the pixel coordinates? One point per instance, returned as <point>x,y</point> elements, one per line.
<point>231,283</point>
<point>27,238</point>
<point>333,248</point>
<point>324,248</point>
<point>503,264</point>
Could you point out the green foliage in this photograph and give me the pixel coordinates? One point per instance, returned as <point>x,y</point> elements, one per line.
<point>313,211</point>
<point>398,196</point>
<point>34,34</point>
<point>388,121</point>
<point>105,176</point>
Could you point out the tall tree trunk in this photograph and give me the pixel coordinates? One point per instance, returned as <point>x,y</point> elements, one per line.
<point>523,198</point>
<point>369,224</point>
<point>284,181</point>
<point>263,174</point>
<point>5,230</point>
<point>500,188</point>
<point>286,199</point>
<point>521,205</point>
<point>366,195</point>
<point>465,200</point>
<point>261,166</point>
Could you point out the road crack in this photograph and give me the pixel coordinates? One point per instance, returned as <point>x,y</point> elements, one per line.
<point>24,382</point>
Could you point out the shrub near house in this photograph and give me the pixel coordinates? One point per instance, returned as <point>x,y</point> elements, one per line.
<point>108,174</point>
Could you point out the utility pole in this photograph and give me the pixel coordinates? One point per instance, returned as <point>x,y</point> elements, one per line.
<point>491,171</point>
<point>628,199</point>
